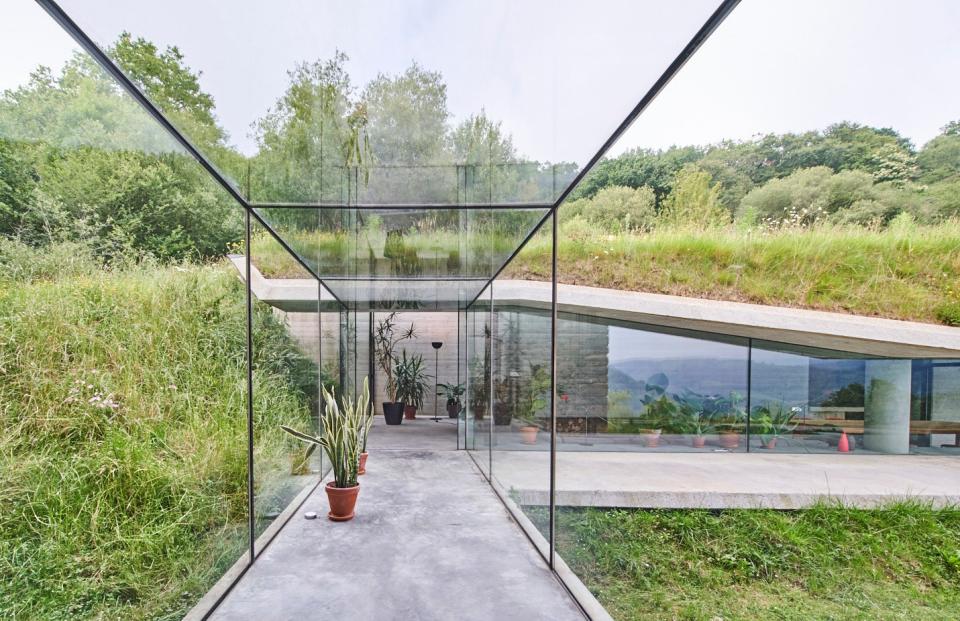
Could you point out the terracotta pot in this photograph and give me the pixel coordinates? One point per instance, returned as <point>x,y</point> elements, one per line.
<point>528,435</point>
<point>698,441</point>
<point>769,444</point>
<point>343,500</point>
<point>393,413</point>
<point>652,438</point>
<point>363,463</point>
<point>453,410</point>
<point>729,439</point>
<point>410,412</point>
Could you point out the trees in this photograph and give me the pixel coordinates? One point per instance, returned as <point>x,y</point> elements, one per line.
<point>84,162</point>
<point>170,84</point>
<point>407,117</point>
<point>305,139</point>
<point>939,159</point>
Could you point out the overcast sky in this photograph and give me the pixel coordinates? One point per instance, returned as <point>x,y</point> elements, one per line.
<point>559,74</point>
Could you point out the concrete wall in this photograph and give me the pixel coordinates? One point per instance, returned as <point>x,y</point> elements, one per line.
<point>429,327</point>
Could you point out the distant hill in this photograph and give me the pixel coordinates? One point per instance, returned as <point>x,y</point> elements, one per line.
<point>710,376</point>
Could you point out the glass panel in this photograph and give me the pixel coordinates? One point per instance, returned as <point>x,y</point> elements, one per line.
<point>939,389</point>
<point>392,118</point>
<point>286,382</point>
<point>463,372</point>
<point>122,349</point>
<point>403,259</point>
<point>803,399</point>
<point>479,378</point>
<point>522,386</point>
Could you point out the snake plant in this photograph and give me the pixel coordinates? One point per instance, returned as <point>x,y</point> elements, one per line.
<point>344,436</point>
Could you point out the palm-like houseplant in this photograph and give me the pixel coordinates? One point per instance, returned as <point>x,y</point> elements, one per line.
<point>452,393</point>
<point>386,338</point>
<point>411,383</point>
<point>343,438</point>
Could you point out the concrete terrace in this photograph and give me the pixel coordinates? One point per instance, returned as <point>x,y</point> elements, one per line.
<point>727,480</point>
<point>431,540</point>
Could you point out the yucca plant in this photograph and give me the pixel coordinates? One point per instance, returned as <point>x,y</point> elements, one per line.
<point>344,436</point>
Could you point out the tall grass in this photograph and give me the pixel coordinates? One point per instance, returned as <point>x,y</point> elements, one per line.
<point>123,432</point>
<point>912,272</point>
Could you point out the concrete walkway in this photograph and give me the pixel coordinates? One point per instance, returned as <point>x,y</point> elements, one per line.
<point>421,434</point>
<point>430,541</point>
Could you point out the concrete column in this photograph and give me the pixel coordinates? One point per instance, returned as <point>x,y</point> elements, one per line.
<point>887,406</point>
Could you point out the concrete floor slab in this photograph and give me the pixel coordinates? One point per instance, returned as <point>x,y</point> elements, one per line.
<point>421,434</point>
<point>727,480</point>
<point>430,541</point>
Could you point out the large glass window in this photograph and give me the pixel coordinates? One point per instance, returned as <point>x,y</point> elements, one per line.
<point>522,383</point>
<point>287,375</point>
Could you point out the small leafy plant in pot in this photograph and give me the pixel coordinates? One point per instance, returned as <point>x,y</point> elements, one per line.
<point>533,400</point>
<point>659,414</point>
<point>344,432</point>
<point>452,393</point>
<point>728,419</point>
<point>386,338</point>
<point>701,427</point>
<point>773,421</point>
<point>411,383</point>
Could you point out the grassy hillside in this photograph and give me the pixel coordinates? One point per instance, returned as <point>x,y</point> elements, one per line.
<point>902,562</point>
<point>913,273</point>
<point>123,432</point>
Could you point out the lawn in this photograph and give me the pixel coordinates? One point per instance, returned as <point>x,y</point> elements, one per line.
<point>827,562</point>
<point>123,431</point>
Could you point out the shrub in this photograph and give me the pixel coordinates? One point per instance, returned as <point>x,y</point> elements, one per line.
<point>694,202</point>
<point>817,194</point>
<point>948,313</point>
<point>616,209</point>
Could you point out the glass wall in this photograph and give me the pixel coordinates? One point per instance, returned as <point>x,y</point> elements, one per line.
<point>287,374</point>
<point>479,379</point>
<point>521,385</point>
<point>122,348</point>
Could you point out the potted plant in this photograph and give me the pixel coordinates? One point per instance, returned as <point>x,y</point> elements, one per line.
<point>533,399</point>
<point>773,420</point>
<point>701,427</point>
<point>658,414</point>
<point>727,417</point>
<point>411,383</point>
<point>364,429</point>
<point>385,340</point>
<point>343,435</point>
<point>452,393</point>
<point>502,412</point>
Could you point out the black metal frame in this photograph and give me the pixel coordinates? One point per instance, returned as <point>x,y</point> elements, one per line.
<point>250,208</point>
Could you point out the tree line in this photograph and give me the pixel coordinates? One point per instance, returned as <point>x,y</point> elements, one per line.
<point>80,161</point>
